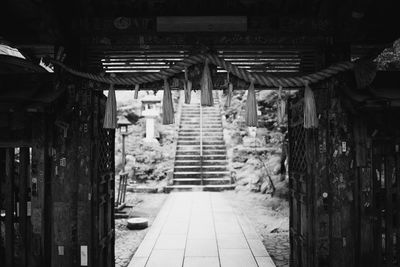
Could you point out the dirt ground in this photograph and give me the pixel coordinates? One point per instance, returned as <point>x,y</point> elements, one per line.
<point>127,241</point>
<point>269,217</point>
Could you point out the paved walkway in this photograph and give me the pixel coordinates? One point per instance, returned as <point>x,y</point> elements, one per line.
<point>201,229</point>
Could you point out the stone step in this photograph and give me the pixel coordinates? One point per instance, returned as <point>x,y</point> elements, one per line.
<point>206,181</point>
<point>213,142</point>
<point>197,138</point>
<point>185,156</point>
<point>215,188</point>
<point>212,152</point>
<point>205,147</point>
<point>196,162</point>
<point>208,174</point>
<point>179,169</point>
<point>197,143</point>
<point>187,153</point>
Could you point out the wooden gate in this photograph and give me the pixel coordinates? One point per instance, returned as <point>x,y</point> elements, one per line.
<point>15,206</point>
<point>386,202</point>
<point>299,184</point>
<point>103,188</point>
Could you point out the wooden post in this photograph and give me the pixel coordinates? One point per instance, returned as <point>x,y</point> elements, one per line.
<point>123,151</point>
<point>84,174</point>
<point>24,171</point>
<point>2,179</point>
<point>9,205</point>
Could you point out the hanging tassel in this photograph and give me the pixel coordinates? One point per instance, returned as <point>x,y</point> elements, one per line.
<point>230,91</point>
<point>310,110</point>
<point>167,107</point>
<point>229,95</point>
<point>281,111</point>
<point>365,73</point>
<point>136,91</point>
<point>251,107</point>
<point>206,87</point>
<point>187,86</point>
<point>110,116</point>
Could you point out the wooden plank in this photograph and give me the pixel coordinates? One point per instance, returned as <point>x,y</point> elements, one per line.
<point>202,24</point>
<point>2,182</point>
<point>24,171</point>
<point>366,255</point>
<point>38,220</point>
<point>376,165</point>
<point>84,158</point>
<point>389,171</point>
<point>9,205</point>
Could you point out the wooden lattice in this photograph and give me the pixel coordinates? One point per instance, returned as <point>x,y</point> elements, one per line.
<point>297,135</point>
<point>106,150</point>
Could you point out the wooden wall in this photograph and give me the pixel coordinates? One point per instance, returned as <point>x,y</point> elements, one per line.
<point>58,184</point>
<point>343,203</point>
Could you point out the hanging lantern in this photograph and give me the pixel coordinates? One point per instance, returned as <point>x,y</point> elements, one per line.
<point>206,87</point>
<point>110,116</point>
<point>281,111</point>
<point>136,91</point>
<point>310,110</point>
<point>251,107</point>
<point>167,107</point>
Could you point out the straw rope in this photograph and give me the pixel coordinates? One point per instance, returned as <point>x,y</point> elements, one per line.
<point>259,79</point>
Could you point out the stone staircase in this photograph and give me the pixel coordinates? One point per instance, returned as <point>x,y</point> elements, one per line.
<point>196,168</point>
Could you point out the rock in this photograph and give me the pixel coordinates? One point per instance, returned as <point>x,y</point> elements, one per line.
<point>264,187</point>
<point>255,180</point>
<point>244,181</point>
<point>237,165</point>
<point>254,188</point>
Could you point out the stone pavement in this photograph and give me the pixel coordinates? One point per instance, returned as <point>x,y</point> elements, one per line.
<point>201,229</point>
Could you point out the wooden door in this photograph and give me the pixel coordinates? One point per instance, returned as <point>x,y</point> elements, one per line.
<point>15,206</point>
<point>103,187</point>
<point>386,202</point>
<point>299,184</point>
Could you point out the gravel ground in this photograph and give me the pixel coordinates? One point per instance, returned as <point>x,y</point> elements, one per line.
<point>270,217</point>
<point>127,241</point>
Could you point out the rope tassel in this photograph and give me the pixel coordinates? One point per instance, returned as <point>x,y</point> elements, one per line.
<point>187,87</point>
<point>310,110</point>
<point>229,96</point>
<point>206,87</point>
<point>281,112</point>
<point>167,107</point>
<point>110,116</point>
<point>136,91</point>
<point>251,107</point>
<point>188,91</point>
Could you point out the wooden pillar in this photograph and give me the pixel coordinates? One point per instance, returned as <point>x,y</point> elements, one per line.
<point>2,180</point>
<point>63,176</point>
<point>41,214</point>
<point>9,206</point>
<point>24,175</point>
<point>84,175</point>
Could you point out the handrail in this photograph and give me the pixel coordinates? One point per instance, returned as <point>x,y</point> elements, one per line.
<point>201,144</point>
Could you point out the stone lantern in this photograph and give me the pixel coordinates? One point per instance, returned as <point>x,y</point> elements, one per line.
<point>151,107</point>
<point>123,126</point>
